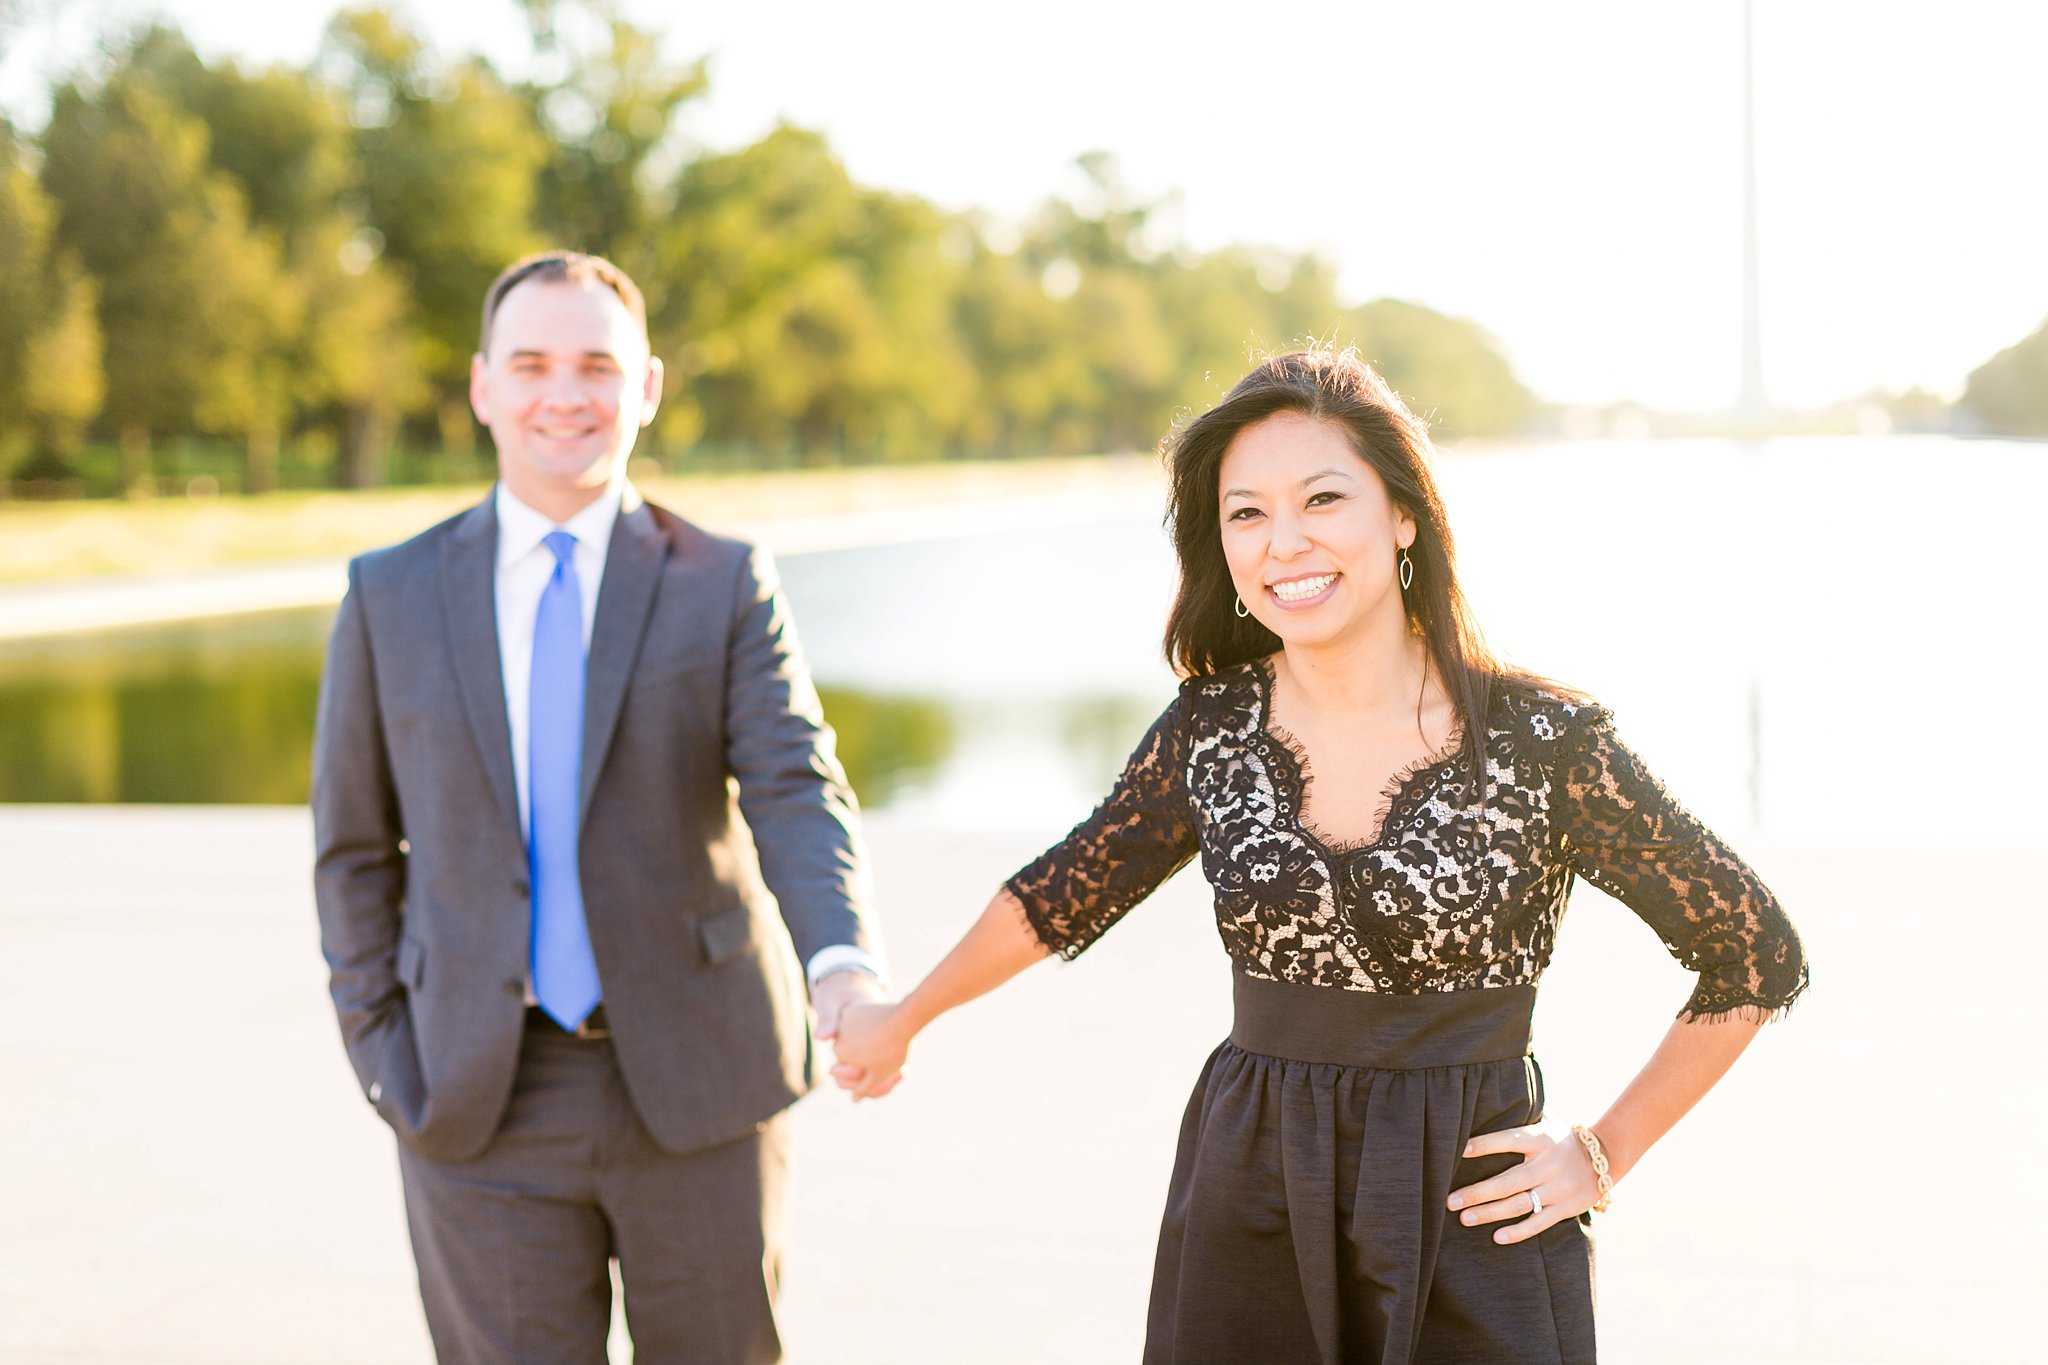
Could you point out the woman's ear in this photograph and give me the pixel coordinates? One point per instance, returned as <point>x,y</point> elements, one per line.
<point>1404,526</point>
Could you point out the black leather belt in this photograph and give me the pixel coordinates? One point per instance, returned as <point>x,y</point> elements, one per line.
<point>594,1024</point>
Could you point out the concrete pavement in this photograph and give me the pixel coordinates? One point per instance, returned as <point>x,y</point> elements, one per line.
<point>187,1176</point>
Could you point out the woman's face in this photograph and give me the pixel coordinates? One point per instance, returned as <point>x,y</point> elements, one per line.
<point>1311,538</point>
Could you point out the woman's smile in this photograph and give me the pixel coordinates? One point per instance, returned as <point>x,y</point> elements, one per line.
<point>1303,591</point>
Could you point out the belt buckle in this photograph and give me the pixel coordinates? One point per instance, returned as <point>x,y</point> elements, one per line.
<point>593,1026</point>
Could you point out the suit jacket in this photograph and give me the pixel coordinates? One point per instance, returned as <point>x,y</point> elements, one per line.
<point>711,800</point>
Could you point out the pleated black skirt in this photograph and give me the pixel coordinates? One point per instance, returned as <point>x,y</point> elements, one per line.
<point>1306,1219</point>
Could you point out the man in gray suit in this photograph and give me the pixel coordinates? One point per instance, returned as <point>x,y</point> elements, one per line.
<point>571,787</point>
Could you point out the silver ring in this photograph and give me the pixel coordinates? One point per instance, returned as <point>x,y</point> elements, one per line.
<point>1535,1203</point>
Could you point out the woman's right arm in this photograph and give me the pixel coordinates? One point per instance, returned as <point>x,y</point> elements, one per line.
<point>873,1040</point>
<point>1062,902</point>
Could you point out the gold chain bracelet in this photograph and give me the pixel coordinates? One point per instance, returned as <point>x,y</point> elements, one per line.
<point>1591,1142</point>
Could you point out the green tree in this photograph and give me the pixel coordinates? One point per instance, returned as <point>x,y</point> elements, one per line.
<point>1128,356</point>
<point>1014,338</point>
<point>51,381</point>
<point>194,305</point>
<point>262,254</point>
<point>805,315</point>
<point>286,141</point>
<point>63,384</point>
<point>1094,259</point>
<point>446,161</point>
<point>1106,230</point>
<point>608,120</point>
<point>2009,392</point>
<point>1450,371</point>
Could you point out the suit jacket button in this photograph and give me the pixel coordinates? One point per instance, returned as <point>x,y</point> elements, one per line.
<point>515,987</point>
<point>376,1091</point>
<point>519,886</point>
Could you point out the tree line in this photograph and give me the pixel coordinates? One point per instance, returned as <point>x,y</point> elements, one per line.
<point>280,270</point>
<point>2008,394</point>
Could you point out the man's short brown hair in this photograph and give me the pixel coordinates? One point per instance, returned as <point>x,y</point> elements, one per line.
<point>557,267</point>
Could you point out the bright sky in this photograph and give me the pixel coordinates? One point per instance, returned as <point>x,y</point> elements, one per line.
<point>1568,175</point>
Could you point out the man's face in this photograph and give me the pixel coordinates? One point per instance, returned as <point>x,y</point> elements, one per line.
<point>565,388</point>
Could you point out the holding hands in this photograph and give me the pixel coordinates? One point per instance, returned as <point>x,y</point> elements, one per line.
<point>872,1041</point>
<point>1556,1179</point>
<point>836,992</point>
<point>872,1038</point>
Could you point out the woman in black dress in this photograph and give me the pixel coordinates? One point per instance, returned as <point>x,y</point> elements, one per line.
<point>1361,1174</point>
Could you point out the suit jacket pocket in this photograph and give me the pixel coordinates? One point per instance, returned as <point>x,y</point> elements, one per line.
<point>399,1090</point>
<point>727,936</point>
<point>412,962</point>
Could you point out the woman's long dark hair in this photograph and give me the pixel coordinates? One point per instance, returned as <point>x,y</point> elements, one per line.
<point>1204,633</point>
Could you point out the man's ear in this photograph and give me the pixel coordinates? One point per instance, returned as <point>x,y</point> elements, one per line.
<point>478,398</point>
<point>651,399</point>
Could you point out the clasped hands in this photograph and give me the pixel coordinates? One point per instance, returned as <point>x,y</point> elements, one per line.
<point>868,1034</point>
<point>1556,1169</point>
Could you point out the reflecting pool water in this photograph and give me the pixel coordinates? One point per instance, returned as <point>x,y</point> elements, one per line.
<point>222,711</point>
<point>1805,637</point>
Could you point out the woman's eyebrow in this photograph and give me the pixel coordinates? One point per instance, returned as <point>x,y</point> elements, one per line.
<point>1319,474</point>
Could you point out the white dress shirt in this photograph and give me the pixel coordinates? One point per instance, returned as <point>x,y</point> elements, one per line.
<point>525,564</point>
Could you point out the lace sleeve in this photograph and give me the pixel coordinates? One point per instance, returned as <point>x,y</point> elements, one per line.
<point>1629,837</point>
<point>1141,834</point>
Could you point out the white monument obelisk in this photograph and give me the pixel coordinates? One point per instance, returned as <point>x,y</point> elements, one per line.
<point>1750,404</point>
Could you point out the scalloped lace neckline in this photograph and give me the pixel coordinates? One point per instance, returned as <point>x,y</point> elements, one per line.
<point>1398,784</point>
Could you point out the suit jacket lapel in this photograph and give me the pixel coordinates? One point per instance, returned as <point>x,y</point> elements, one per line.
<point>632,571</point>
<point>469,601</point>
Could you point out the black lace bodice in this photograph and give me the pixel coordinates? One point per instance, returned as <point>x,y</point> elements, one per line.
<point>1452,894</point>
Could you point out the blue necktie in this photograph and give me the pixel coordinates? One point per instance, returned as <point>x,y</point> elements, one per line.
<point>564,969</point>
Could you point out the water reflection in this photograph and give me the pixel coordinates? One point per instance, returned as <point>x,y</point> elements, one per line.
<point>222,712</point>
<point>1785,635</point>
<point>209,712</point>
<point>888,743</point>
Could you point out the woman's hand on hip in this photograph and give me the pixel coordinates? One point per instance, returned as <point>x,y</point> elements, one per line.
<point>1552,1182</point>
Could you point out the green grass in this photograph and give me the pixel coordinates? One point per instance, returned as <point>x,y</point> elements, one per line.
<point>47,542</point>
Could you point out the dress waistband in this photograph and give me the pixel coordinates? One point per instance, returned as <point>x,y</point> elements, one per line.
<point>1385,1032</point>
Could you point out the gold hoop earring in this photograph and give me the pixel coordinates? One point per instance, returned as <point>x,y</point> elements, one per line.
<point>1241,609</point>
<point>1407,569</point>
